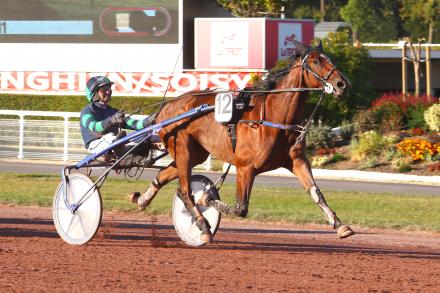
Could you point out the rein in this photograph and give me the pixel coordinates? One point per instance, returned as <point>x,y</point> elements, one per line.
<point>286,90</point>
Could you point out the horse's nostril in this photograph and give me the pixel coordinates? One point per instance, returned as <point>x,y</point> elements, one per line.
<point>340,84</point>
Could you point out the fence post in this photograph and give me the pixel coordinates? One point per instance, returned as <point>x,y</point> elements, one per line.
<point>404,73</point>
<point>428,71</point>
<point>21,137</point>
<point>66,138</point>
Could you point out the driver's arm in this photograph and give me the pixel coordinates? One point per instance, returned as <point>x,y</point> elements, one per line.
<point>89,121</point>
<point>140,124</point>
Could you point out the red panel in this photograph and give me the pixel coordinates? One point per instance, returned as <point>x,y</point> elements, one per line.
<point>272,37</point>
<point>271,43</point>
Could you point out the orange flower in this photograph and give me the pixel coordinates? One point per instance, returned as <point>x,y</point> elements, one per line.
<point>418,149</point>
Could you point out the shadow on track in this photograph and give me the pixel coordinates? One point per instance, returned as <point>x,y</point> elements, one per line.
<point>117,232</point>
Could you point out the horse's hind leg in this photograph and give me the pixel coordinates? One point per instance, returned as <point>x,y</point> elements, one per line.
<point>300,166</point>
<point>163,177</point>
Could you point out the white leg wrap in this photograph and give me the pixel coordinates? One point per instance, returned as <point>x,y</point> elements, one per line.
<point>319,199</point>
<point>146,198</point>
<point>314,194</point>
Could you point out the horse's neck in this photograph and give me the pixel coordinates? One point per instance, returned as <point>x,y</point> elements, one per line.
<point>289,107</point>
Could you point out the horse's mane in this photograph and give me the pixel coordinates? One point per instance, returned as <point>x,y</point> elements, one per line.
<point>276,73</point>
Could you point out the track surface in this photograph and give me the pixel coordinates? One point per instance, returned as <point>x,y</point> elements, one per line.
<point>135,252</point>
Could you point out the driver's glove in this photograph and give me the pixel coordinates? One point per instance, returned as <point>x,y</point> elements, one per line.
<point>118,118</point>
<point>149,120</point>
<point>115,119</point>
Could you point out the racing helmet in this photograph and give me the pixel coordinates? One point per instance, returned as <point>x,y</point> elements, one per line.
<point>94,83</point>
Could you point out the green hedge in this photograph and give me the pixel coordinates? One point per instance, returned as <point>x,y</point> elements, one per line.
<point>74,103</point>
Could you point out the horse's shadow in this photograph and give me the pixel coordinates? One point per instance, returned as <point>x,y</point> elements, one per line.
<point>26,221</point>
<point>162,239</point>
<point>166,241</point>
<point>24,231</point>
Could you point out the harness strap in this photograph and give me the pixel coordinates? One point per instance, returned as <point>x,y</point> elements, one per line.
<point>274,125</point>
<point>232,129</point>
<point>263,117</point>
<point>301,129</point>
<point>218,184</point>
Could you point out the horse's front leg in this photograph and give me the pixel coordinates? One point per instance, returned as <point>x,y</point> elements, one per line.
<point>300,166</point>
<point>184,164</point>
<point>245,180</point>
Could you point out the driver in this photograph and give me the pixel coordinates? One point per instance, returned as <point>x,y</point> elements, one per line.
<point>101,123</point>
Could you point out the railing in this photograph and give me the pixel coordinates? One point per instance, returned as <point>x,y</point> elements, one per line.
<point>23,137</point>
<point>397,45</point>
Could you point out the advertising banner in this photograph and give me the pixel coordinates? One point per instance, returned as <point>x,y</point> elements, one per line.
<point>287,32</point>
<point>247,43</point>
<point>229,43</point>
<point>230,46</point>
<point>126,83</point>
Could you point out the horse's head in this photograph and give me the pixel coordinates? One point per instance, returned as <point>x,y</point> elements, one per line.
<point>319,71</point>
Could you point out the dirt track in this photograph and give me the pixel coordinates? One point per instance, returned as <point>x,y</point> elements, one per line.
<point>134,252</point>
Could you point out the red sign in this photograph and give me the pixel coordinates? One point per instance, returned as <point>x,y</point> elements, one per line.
<point>247,43</point>
<point>280,34</point>
<point>126,83</point>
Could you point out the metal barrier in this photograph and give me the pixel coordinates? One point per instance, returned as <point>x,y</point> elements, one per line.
<point>38,138</point>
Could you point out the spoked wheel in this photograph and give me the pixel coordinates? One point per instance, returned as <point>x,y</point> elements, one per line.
<point>80,227</point>
<point>184,223</point>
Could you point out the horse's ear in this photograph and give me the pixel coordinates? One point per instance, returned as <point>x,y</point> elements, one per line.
<point>302,49</point>
<point>319,47</point>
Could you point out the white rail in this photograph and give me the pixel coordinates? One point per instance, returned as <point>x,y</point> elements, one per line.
<point>25,134</point>
<point>397,45</point>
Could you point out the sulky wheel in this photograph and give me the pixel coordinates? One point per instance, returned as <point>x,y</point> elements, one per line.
<point>184,223</point>
<point>80,227</point>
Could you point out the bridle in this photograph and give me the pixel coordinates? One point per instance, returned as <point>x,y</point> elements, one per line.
<point>306,66</point>
<point>326,86</point>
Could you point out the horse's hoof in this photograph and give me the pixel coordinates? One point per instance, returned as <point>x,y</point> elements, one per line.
<point>137,198</point>
<point>133,197</point>
<point>345,231</point>
<point>206,238</point>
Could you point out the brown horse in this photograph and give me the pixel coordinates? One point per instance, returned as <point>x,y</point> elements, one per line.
<point>259,148</point>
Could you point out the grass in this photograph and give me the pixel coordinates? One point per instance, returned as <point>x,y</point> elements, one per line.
<point>380,210</point>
